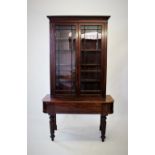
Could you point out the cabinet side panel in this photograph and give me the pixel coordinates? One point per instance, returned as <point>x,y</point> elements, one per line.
<point>104,58</point>
<point>52,58</point>
<point>78,60</point>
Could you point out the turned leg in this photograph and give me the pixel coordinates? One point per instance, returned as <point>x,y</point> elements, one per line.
<point>100,124</point>
<point>52,126</point>
<point>103,127</point>
<point>55,124</point>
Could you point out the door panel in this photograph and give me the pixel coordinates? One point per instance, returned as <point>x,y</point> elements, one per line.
<point>78,58</point>
<point>65,39</point>
<point>90,58</point>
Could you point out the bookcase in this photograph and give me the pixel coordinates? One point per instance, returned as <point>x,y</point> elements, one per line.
<point>78,67</point>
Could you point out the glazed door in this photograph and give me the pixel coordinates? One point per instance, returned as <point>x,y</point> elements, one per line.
<point>65,42</point>
<point>90,58</point>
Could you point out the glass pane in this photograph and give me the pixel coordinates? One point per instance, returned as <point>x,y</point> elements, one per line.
<point>94,74</point>
<point>90,86</point>
<point>90,76</point>
<point>65,58</point>
<point>93,27</point>
<point>91,57</point>
<point>91,37</point>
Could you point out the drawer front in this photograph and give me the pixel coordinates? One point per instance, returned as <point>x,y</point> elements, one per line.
<point>76,108</point>
<point>79,108</point>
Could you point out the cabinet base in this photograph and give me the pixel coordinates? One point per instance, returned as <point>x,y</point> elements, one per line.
<point>83,105</point>
<point>53,126</point>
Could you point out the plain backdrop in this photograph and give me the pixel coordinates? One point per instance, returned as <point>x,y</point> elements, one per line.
<point>77,134</point>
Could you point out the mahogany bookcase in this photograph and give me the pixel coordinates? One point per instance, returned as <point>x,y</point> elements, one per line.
<point>78,67</point>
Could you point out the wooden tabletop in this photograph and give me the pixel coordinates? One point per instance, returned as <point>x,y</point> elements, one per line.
<point>98,99</point>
